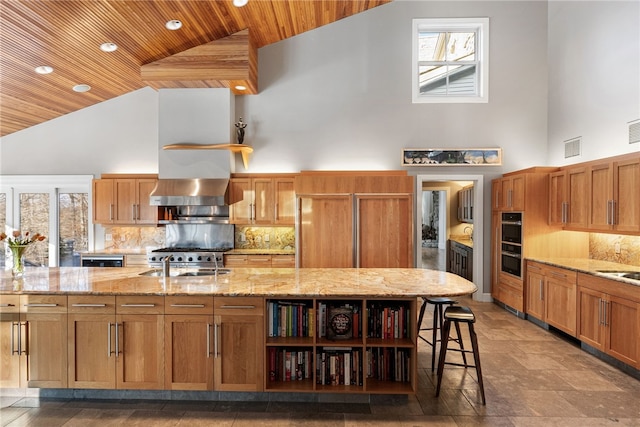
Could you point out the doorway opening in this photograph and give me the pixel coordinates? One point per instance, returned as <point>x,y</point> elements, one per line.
<point>435,198</point>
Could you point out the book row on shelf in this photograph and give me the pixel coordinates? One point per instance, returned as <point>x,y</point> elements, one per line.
<point>337,320</point>
<point>340,365</point>
<point>388,322</point>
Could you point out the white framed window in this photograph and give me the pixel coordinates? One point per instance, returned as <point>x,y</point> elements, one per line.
<point>450,60</point>
<point>57,206</point>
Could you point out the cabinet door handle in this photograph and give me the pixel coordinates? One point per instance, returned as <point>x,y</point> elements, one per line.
<point>7,305</point>
<point>605,305</point>
<point>208,340</point>
<point>108,339</point>
<point>215,340</point>
<point>188,305</point>
<point>117,339</point>
<point>13,347</point>
<point>559,275</point>
<point>613,212</point>
<point>541,289</point>
<point>111,212</point>
<point>26,334</point>
<point>40,305</point>
<point>137,305</point>
<point>238,306</point>
<point>88,305</point>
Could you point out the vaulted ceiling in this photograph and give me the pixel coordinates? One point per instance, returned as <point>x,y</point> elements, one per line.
<point>66,35</point>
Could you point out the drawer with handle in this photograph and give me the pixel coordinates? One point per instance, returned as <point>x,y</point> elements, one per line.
<point>139,304</point>
<point>188,305</point>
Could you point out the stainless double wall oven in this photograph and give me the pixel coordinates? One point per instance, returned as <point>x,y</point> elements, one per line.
<point>511,243</point>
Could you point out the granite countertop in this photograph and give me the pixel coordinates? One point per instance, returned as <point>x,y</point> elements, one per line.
<point>466,241</point>
<point>240,251</point>
<point>322,282</point>
<point>130,251</point>
<point>591,266</point>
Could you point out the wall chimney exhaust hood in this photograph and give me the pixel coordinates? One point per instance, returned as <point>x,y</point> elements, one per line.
<point>190,192</point>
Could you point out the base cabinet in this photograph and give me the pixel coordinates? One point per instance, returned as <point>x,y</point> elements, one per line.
<point>116,342</point>
<point>460,260</point>
<point>551,296</point>
<point>188,343</point>
<point>609,318</point>
<point>33,341</point>
<point>238,340</point>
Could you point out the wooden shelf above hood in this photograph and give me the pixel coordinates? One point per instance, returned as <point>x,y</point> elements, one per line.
<point>228,62</point>
<point>244,150</point>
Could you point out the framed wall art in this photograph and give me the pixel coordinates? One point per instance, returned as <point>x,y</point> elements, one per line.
<point>451,157</point>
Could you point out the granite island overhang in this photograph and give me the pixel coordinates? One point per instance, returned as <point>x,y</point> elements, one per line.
<point>266,282</point>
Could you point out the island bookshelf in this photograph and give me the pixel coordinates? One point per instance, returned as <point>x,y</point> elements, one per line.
<point>341,345</point>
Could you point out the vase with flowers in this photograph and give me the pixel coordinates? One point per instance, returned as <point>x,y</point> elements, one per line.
<point>18,244</point>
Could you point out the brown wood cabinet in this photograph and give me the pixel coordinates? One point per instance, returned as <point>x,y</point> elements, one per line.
<point>568,201</point>
<point>139,342</point>
<point>600,195</point>
<point>91,347</point>
<point>355,220</point>
<point>124,200</point>
<point>33,340</point>
<point>613,194</point>
<point>263,199</point>
<point>259,261</point>
<point>510,193</point>
<point>188,343</point>
<point>551,296</point>
<point>609,317</point>
<point>238,344</point>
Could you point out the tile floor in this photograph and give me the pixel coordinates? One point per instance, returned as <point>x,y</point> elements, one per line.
<point>532,377</point>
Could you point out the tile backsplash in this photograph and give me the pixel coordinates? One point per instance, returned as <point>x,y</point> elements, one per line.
<point>265,237</point>
<point>134,237</point>
<point>603,247</point>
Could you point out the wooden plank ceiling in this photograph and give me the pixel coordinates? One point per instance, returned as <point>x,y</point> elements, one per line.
<point>66,35</point>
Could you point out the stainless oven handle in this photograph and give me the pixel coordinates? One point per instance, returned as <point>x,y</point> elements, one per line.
<point>512,222</point>
<point>511,254</point>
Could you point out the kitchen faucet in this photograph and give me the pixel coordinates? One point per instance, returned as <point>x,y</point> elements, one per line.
<point>215,260</point>
<point>467,228</point>
<point>166,266</point>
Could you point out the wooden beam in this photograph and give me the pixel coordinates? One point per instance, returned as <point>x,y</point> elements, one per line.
<point>226,62</point>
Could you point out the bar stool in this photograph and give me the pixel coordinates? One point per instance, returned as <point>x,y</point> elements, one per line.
<point>459,314</point>
<point>438,303</point>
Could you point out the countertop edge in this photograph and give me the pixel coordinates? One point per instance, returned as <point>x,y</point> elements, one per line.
<point>578,265</point>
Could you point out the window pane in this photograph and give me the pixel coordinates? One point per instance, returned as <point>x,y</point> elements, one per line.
<point>461,46</point>
<point>3,224</point>
<point>73,227</point>
<point>34,218</point>
<point>448,80</point>
<point>431,46</point>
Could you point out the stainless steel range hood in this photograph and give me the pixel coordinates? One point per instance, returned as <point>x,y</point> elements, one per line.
<point>190,192</point>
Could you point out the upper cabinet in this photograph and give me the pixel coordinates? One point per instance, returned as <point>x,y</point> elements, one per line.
<point>511,193</point>
<point>124,200</point>
<point>465,204</point>
<point>568,201</point>
<point>262,199</point>
<point>614,195</point>
<point>600,195</point>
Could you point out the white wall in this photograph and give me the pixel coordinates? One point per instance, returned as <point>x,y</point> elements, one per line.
<point>594,77</point>
<point>116,136</point>
<point>339,97</point>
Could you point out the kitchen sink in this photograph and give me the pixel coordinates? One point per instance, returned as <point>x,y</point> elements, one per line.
<point>157,272</point>
<point>206,272</point>
<point>634,275</point>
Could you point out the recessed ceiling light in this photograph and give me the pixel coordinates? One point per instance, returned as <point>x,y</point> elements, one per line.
<point>173,25</point>
<point>240,87</point>
<point>240,3</point>
<point>82,88</point>
<point>44,69</point>
<point>108,47</point>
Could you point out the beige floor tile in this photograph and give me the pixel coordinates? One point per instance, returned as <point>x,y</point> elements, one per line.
<point>587,380</point>
<point>44,417</point>
<point>573,422</point>
<point>206,419</point>
<point>7,415</point>
<point>607,404</point>
<point>478,421</point>
<point>100,417</point>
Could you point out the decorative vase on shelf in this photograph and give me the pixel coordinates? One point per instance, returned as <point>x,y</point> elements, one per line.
<point>18,260</point>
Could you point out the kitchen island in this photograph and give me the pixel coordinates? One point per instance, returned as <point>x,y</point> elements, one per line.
<point>251,330</point>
